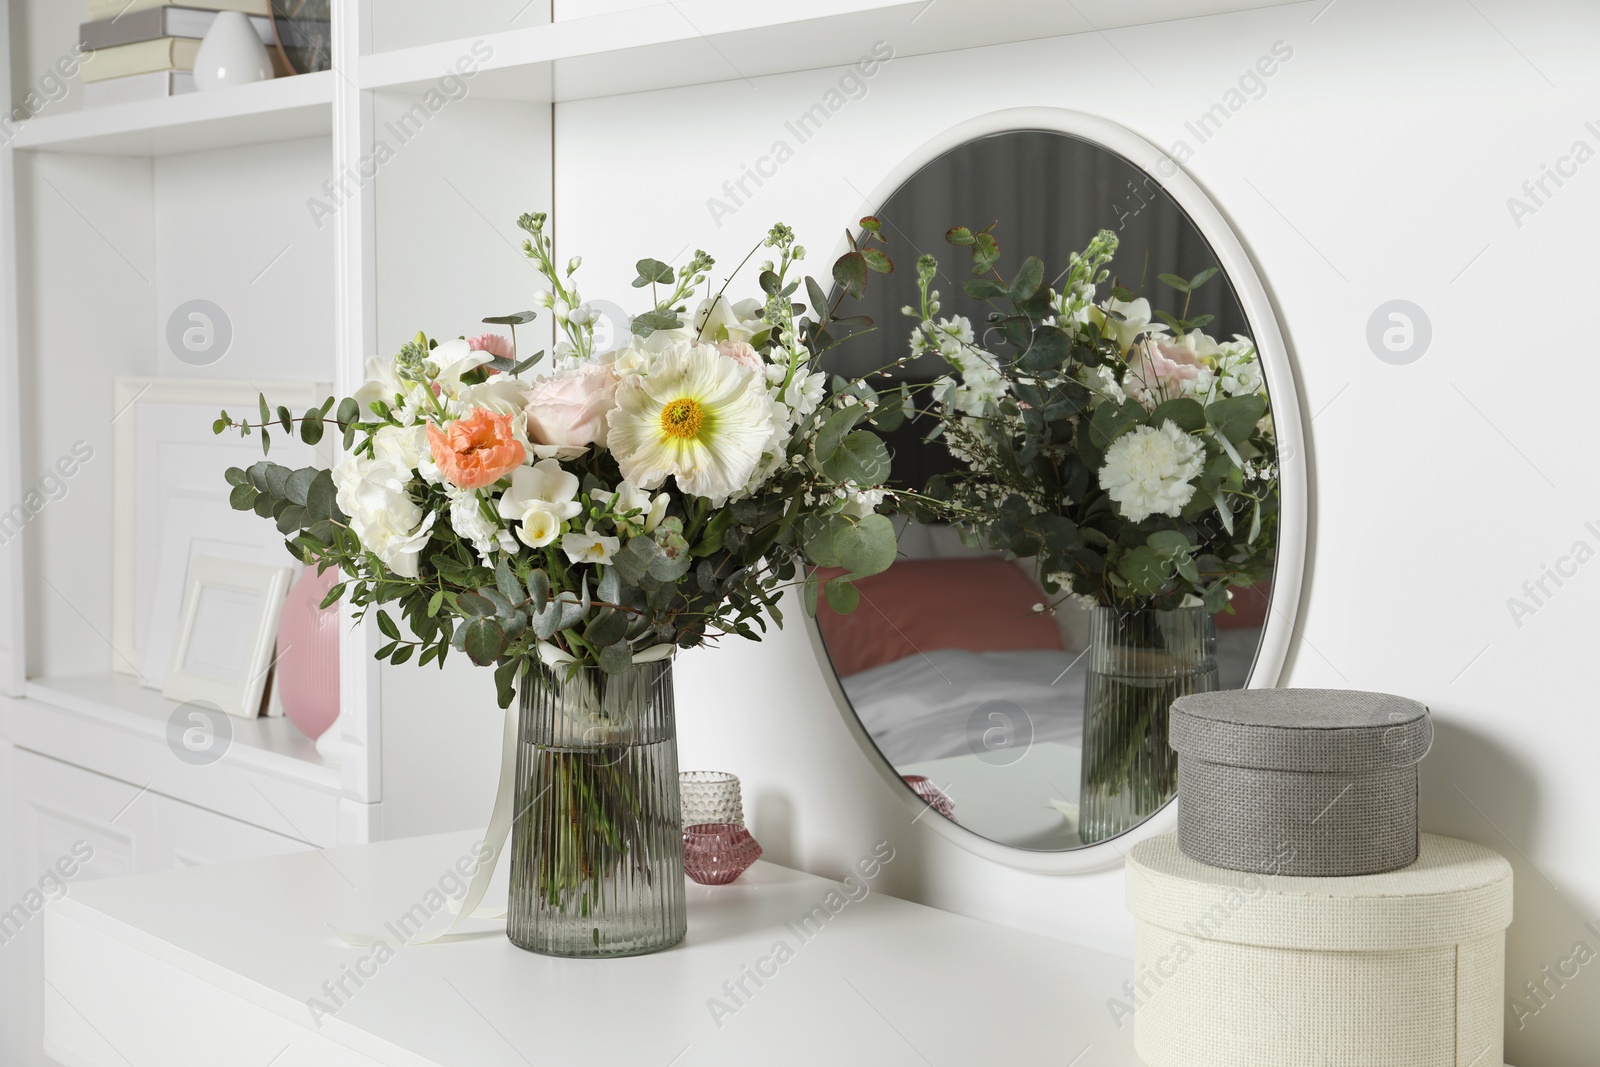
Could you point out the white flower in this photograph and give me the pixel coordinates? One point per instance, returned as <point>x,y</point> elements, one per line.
<point>454,359</point>
<point>859,503</point>
<point>1148,471</point>
<point>468,520</point>
<point>1238,367</point>
<point>1103,381</point>
<point>718,320</point>
<point>954,334</point>
<point>589,547</point>
<point>805,392</point>
<point>375,493</point>
<point>501,394</point>
<point>404,446</point>
<point>698,416</point>
<point>630,498</point>
<point>542,497</point>
<point>383,383</point>
<point>1135,321</point>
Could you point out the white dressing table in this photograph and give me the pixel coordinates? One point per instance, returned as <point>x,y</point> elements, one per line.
<point>215,966</point>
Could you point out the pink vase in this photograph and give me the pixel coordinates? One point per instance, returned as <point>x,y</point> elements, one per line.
<point>308,654</point>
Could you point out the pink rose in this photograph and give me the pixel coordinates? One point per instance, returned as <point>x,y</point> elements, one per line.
<point>741,353</point>
<point>493,343</point>
<point>1158,369</point>
<point>570,408</point>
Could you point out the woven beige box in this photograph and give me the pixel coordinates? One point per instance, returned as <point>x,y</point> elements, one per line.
<point>1238,969</point>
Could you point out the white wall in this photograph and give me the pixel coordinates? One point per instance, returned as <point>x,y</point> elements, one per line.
<point>1376,166</point>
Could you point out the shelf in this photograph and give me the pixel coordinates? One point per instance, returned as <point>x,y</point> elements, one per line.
<point>690,42</point>
<point>278,110</point>
<point>270,744</point>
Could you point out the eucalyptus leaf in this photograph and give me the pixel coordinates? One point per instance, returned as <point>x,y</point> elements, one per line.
<point>866,546</point>
<point>835,427</point>
<point>861,457</point>
<point>1185,413</point>
<point>485,640</point>
<point>850,271</point>
<point>1236,416</point>
<point>652,271</point>
<point>1029,277</point>
<point>843,597</point>
<point>616,658</point>
<point>517,318</point>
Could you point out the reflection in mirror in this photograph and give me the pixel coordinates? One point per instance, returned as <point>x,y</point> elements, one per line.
<point>1107,517</point>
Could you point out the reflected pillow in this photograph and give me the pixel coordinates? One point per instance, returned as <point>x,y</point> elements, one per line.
<point>919,605</point>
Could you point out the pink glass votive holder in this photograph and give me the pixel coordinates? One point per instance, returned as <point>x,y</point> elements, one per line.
<point>932,795</point>
<point>716,853</point>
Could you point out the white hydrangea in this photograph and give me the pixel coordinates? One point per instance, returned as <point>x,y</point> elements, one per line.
<point>376,494</point>
<point>1148,471</point>
<point>469,521</point>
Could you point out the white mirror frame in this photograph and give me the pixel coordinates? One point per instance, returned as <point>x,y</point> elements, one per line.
<point>1293,486</point>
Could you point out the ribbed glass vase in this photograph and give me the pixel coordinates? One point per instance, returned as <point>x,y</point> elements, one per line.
<point>1139,663</point>
<point>597,842</point>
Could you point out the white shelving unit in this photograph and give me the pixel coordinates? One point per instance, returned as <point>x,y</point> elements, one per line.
<point>282,110</point>
<point>333,215</point>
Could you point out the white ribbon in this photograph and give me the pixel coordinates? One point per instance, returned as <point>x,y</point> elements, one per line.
<point>500,820</point>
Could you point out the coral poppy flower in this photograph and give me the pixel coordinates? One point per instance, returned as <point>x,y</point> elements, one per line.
<point>476,451</point>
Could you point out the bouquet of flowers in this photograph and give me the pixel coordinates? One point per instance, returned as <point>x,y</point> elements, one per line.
<point>616,505</point>
<point>1131,454</point>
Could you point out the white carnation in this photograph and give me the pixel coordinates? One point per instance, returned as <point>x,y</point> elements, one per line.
<point>1148,471</point>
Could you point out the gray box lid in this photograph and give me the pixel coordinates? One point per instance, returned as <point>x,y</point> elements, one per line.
<point>1301,729</point>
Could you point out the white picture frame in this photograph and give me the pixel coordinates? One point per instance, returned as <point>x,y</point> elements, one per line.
<point>164,444</point>
<point>228,634</point>
<point>201,523</point>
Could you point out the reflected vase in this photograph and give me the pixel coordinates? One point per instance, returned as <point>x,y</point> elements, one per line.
<point>596,844</point>
<point>1139,662</point>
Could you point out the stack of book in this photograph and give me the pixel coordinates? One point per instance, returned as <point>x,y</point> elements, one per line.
<point>145,50</point>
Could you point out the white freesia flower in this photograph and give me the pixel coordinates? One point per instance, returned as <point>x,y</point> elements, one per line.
<point>542,498</point>
<point>469,521</point>
<point>630,498</point>
<point>384,383</point>
<point>699,417</point>
<point>1147,471</point>
<point>1135,321</point>
<point>375,493</point>
<point>718,320</point>
<point>589,547</point>
<point>454,359</point>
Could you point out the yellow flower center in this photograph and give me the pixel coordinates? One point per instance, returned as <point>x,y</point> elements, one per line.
<point>682,417</point>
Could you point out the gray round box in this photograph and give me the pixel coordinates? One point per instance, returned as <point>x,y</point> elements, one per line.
<point>1306,782</point>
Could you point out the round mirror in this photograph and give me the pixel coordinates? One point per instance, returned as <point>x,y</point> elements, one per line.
<point>1113,447</point>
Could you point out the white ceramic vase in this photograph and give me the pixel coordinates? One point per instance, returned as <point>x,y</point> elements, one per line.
<point>231,54</point>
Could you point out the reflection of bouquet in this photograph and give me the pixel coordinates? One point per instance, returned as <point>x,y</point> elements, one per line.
<point>620,505</point>
<point>1134,458</point>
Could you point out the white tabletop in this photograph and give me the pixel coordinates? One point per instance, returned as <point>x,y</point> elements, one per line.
<point>216,965</point>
